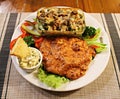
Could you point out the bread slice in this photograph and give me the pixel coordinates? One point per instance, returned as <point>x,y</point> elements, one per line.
<point>20,49</point>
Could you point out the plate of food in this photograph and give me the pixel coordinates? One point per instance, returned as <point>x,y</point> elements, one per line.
<point>71,48</point>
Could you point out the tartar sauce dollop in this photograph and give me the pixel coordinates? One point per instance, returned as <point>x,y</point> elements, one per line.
<point>31,60</point>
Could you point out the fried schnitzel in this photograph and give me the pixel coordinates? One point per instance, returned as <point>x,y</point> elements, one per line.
<point>66,56</point>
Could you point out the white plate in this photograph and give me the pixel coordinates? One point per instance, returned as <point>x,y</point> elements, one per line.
<point>96,67</point>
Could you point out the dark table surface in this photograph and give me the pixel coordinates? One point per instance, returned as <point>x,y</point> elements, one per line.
<point>105,6</point>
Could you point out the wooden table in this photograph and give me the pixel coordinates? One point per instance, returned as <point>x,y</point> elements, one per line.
<point>14,86</point>
<point>105,6</point>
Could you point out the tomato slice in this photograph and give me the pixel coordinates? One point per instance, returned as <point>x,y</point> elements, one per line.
<point>38,40</point>
<point>12,43</point>
<point>26,23</point>
<point>37,45</point>
<point>94,46</point>
<point>22,30</point>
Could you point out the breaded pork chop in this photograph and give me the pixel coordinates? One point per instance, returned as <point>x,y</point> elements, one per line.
<point>66,56</point>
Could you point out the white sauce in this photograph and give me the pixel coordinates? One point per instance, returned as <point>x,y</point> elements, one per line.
<point>31,60</point>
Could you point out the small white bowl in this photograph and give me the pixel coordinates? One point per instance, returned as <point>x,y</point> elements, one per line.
<point>32,68</point>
